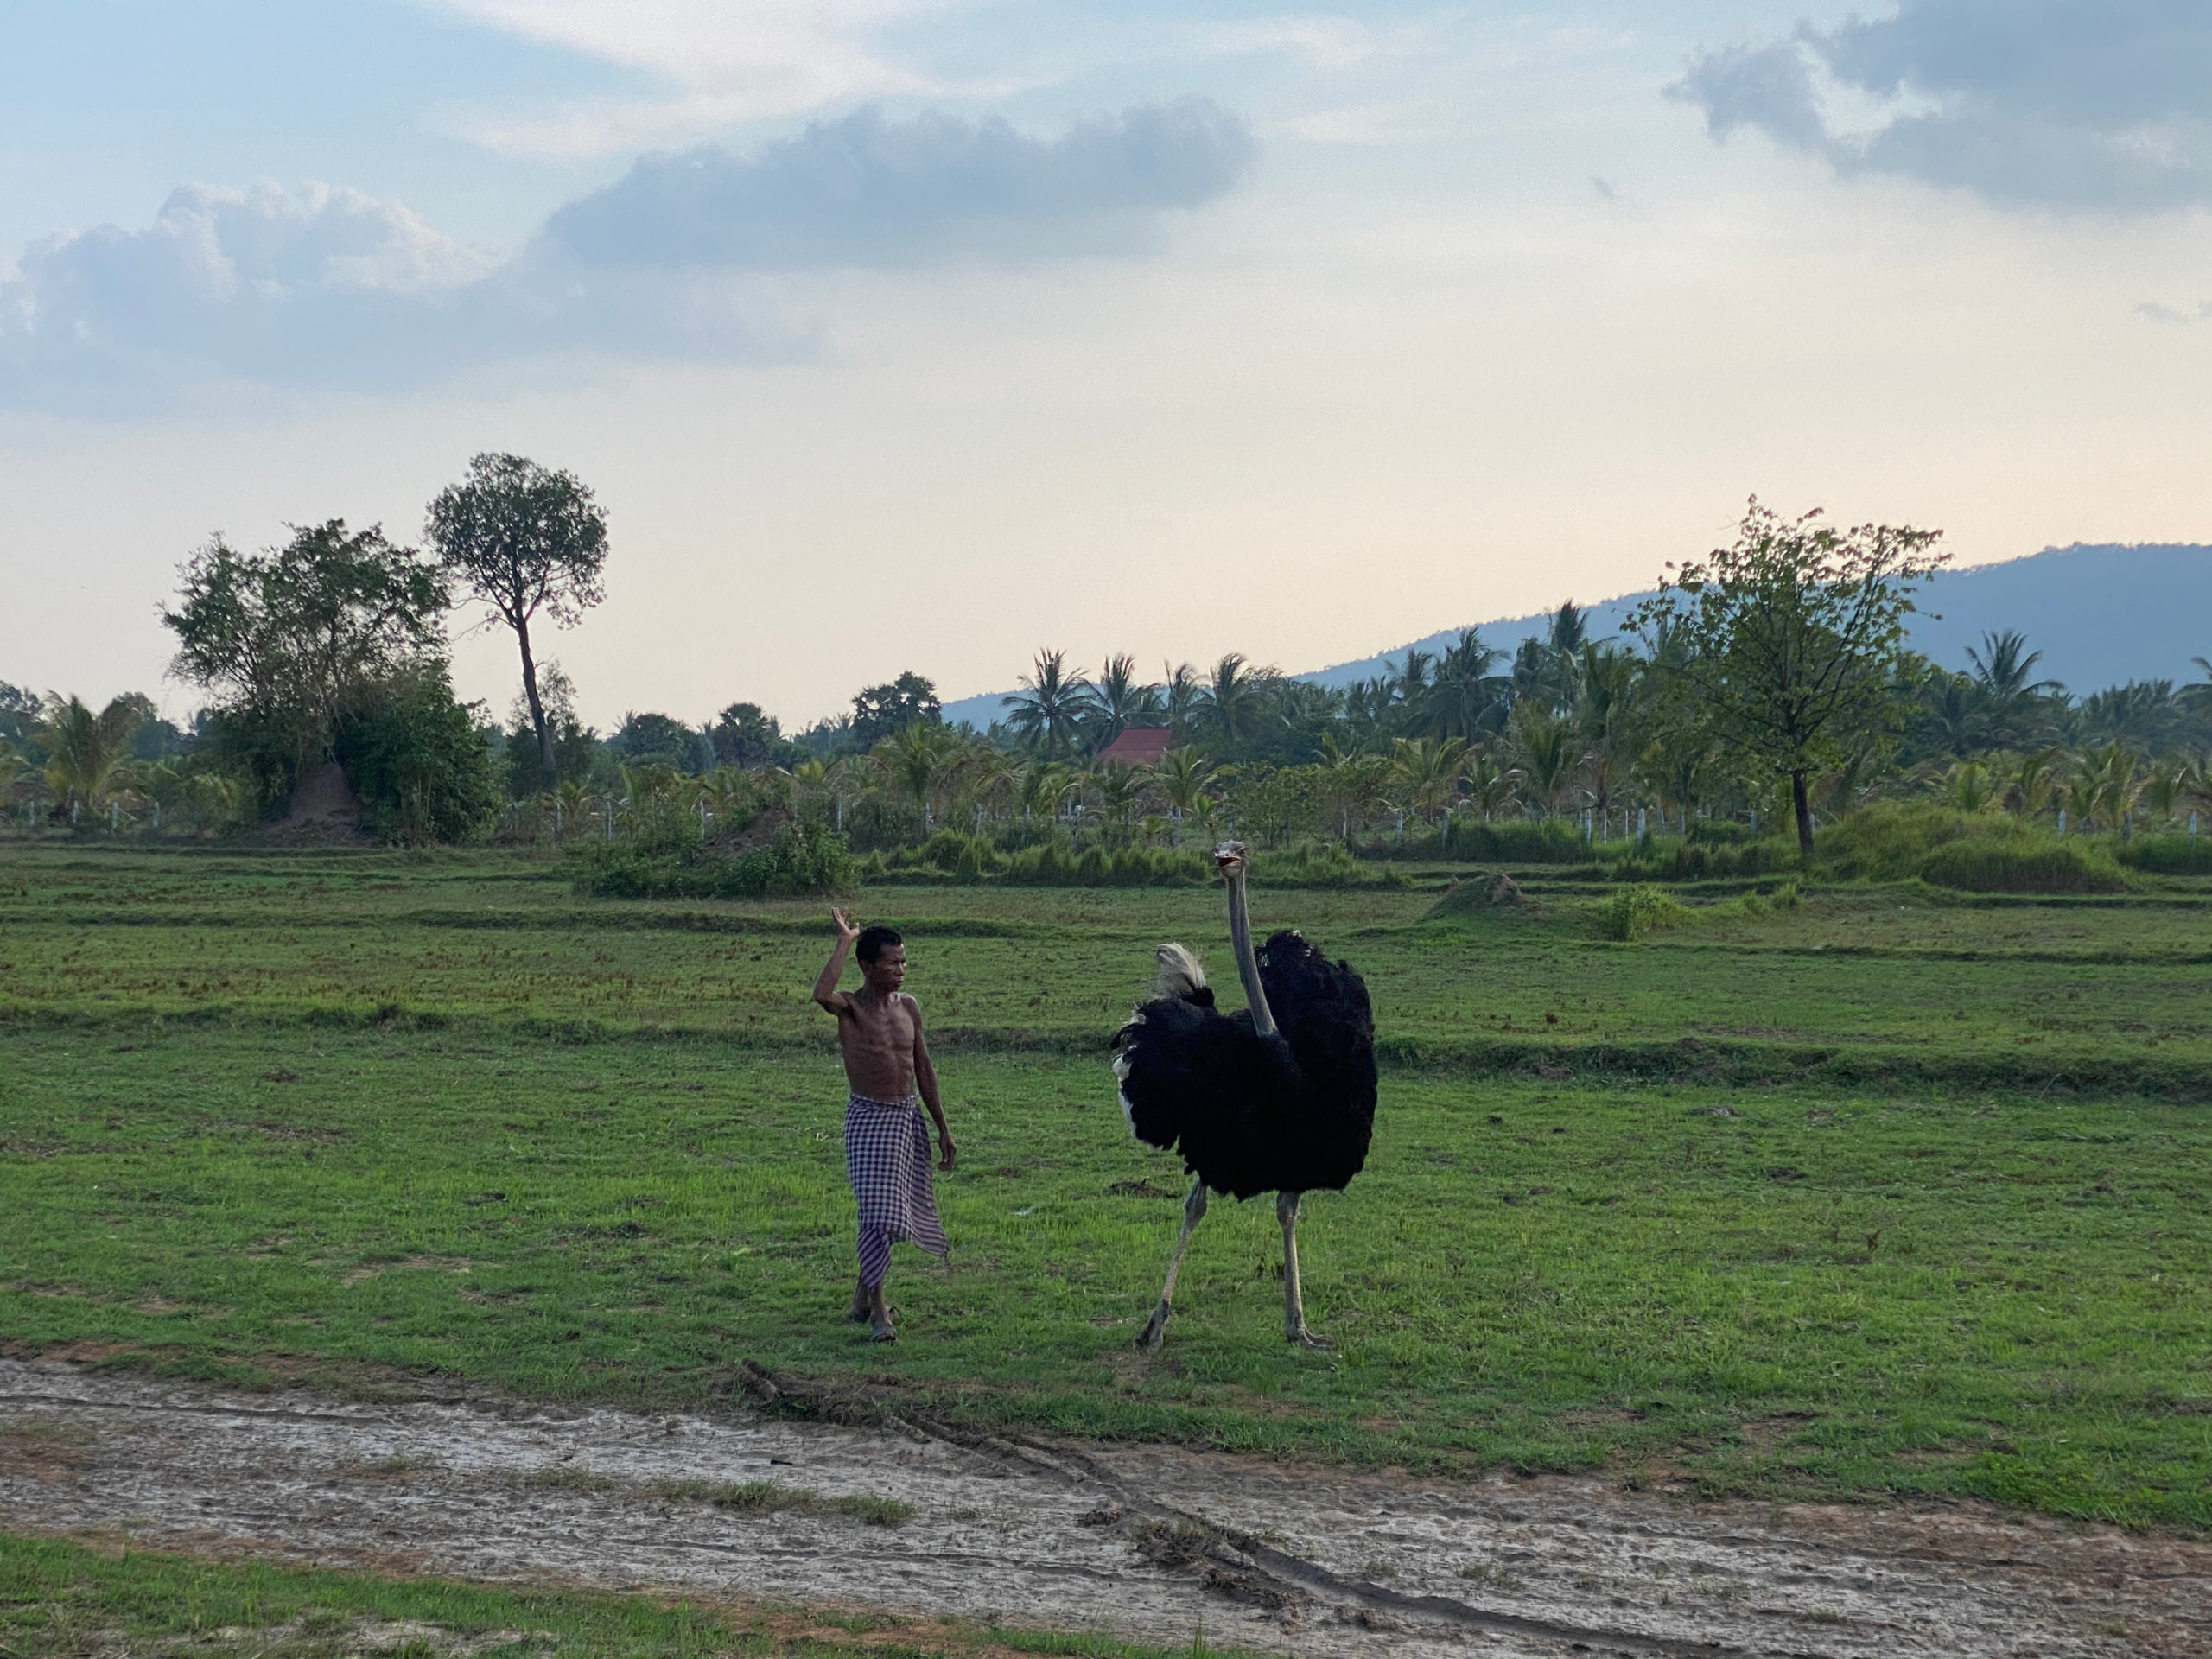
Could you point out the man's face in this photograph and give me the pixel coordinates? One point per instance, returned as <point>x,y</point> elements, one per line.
<point>888,971</point>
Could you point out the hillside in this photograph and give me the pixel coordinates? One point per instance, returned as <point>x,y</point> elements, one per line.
<point>2100,616</point>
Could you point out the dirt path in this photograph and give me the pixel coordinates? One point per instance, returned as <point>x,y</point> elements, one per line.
<point>1152,1543</point>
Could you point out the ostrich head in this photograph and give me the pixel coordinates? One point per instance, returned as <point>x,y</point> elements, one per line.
<point>1229,859</point>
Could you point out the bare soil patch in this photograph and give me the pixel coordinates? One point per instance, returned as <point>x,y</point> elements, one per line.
<point>1150,1543</point>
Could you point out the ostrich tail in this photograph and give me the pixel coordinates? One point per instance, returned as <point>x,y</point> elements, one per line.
<point>1180,974</point>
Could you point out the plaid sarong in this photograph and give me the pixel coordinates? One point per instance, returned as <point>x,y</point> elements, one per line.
<point>887,1159</point>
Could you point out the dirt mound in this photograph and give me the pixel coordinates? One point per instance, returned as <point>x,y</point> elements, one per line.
<point>1482,893</point>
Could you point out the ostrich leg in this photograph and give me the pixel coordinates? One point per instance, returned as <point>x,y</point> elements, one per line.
<point>1293,1304</point>
<point>1194,1209</point>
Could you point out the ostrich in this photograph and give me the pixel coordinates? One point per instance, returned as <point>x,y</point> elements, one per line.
<point>1280,1099</point>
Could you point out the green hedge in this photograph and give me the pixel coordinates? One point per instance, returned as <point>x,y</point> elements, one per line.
<point>668,860</point>
<point>2167,855</point>
<point>2011,866</point>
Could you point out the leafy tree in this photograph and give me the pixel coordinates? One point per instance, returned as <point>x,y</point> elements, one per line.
<point>744,736</point>
<point>575,746</point>
<point>86,752</point>
<point>294,638</point>
<point>1051,704</point>
<point>914,761</point>
<point>1426,769</point>
<point>1465,697</point>
<point>1791,639</point>
<point>524,540</point>
<point>881,710</point>
<point>661,739</point>
<point>19,712</point>
<point>419,759</point>
<point>1545,744</point>
<point>1184,778</point>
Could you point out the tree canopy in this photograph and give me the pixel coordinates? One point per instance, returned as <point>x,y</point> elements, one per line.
<point>525,540</point>
<point>1786,645</point>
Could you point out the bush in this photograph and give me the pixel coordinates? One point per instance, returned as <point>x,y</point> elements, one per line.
<point>1697,861</point>
<point>1520,842</point>
<point>415,757</point>
<point>1641,909</point>
<point>2007,867</point>
<point>667,859</point>
<point>2167,855</point>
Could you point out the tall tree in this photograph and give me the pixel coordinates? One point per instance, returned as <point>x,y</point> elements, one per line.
<point>881,711</point>
<point>1119,700</point>
<point>1051,702</point>
<point>86,752</point>
<point>294,638</point>
<point>1239,698</point>
<point>523,539</point>
<point>1791,639</point>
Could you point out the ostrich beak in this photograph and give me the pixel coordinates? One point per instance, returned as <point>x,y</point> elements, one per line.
<point>1228,857</point>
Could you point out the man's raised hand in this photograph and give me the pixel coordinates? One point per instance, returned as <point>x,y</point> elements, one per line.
<point>846,932</point>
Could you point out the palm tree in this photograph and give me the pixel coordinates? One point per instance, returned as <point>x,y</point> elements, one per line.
<point>1183,777</point>
<point>1237,698</point>
<point>2001,685</point>
<point>1968,785</point>
<point>1464,697</point>
<point>1545,744</point>
<point>1117,789</point>
<point>85,751</point>
<point>914,760</point>
<point>1039,786</point>
<point>2033,789</point>
<point>1119,700</point>
<point>1183,700</point>
<point>2114,785</point>
<point>1491,787</point>
<point>1427,768</point>
<point>1051,701</point>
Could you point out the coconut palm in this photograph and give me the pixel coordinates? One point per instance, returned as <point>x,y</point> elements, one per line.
<point>2114,783</point>
<point>2164,792</point>
<point>1039,786</point>
<point>1464,697</point>
<point>1182,700</point>
<point>1237,698</point>
<point>1183,777</point>
<point>1545,745</point>
<point>85,752</point>
<point>1491,787</point>
<point>1119,700</point>
<point>1051,704</point>
<point>1115,791</point>
<point>913,762</point>
<point>2001,685</point>
<point>2033,788</point>
<point>1968,786</point>
<point>1426,769</point>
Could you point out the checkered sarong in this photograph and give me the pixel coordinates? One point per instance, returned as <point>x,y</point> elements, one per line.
<point>887,1159</point>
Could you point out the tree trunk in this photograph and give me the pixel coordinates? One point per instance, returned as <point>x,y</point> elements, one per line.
<point>537,706</point>
<point>1798,798</point>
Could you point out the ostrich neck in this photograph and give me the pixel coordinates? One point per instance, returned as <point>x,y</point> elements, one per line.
<point>1248,965</point>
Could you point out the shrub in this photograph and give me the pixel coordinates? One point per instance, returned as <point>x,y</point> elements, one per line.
<point>1520,842</point>
<point>667,859</point>
<point>2007,867</point>
<point>2167,855</point>
<point>415,757</point>
<point>1641,909</point>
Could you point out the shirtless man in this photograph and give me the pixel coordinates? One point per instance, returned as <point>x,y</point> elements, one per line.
<point>888,1072</point>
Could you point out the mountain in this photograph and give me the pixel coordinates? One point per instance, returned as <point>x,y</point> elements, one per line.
<point>2100,615</point>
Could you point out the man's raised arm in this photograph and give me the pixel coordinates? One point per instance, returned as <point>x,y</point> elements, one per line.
<point>825,988</point>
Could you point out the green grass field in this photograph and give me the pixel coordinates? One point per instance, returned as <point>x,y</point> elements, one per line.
<point>1878,1194</point>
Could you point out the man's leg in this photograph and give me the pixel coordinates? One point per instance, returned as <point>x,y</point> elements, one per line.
<point>875,1262</point>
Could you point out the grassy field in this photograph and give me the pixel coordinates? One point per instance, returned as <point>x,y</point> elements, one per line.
<point>61,1600</point>
<point>1875,1194</point>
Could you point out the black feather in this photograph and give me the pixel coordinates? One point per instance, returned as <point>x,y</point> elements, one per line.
<point>1251,1114</point>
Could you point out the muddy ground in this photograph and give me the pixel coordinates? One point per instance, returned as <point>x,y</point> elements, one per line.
<point>1152,1543</point>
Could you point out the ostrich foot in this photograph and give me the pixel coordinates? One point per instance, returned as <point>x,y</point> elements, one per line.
<point>1301,1337</point>
<point>1155,1330</point>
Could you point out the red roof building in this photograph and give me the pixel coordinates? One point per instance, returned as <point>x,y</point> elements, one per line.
<point>1138,745</point>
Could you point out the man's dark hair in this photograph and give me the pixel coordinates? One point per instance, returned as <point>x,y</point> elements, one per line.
<point>875,941</point>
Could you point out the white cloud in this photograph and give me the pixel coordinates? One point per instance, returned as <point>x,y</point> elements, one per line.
<point>331,288</point>
<point>2075,103</point>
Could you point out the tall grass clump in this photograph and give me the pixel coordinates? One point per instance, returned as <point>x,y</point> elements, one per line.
<point>1549,841</point>
<point>1969,852</point>
<point>1640,909</point>
<point>670,859</point>
<point>2167,855</point>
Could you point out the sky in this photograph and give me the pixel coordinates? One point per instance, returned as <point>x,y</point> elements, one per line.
<point>927,334</point>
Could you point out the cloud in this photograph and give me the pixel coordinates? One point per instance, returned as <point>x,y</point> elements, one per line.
<point>868,191</point>
<point>329,289</point>
<point>2103,105</point>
